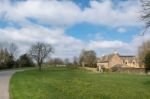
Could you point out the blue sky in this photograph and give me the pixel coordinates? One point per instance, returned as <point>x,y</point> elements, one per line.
<point>70,26</point>
<point>84,30</point>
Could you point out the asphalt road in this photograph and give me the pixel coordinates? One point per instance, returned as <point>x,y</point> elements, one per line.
<point>4,83</point>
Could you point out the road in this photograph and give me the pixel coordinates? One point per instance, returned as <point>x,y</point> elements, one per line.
<point>4,83</point>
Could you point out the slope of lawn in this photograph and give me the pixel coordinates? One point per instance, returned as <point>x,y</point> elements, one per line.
<point>66,83</point>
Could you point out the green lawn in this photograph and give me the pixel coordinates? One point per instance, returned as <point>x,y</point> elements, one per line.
<point>65,83</point>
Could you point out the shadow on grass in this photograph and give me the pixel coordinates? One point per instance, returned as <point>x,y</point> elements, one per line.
<point>147,83</point>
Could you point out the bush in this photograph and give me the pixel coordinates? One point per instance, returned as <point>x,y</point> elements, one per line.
<point>106,69</point>
<point>25,61</point>
<point>147,61</point>
<point>10,62</point>
<point>116,68</point>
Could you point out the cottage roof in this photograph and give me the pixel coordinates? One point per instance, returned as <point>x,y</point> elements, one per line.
<point>107,58</point>
<point>129,58</point>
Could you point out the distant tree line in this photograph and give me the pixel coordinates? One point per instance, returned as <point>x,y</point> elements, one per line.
<point>8,57</point>
<point>39,54</point>
<point>72,62</point>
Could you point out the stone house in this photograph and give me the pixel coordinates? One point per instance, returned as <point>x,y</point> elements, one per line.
<point>114,60</point>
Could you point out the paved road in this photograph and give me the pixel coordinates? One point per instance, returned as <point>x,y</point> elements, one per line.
<point>4,83</point>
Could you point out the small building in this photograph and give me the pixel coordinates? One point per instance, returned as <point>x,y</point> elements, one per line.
<point>115,59</point>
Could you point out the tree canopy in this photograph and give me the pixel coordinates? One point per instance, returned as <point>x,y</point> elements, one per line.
<point>39,52</point>
<point>88,58</point>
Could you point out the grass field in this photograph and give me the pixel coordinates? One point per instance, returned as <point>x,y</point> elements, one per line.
<point>66,83</point>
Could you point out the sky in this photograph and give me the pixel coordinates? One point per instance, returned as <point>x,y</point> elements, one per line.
<point>72,25</point>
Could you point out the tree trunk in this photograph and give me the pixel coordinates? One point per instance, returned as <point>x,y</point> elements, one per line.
<point>40,66</point>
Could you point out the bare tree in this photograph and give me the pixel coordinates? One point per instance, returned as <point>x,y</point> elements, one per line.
<point>7,53</point>
<point>56,62</point>
<point>12,48</point>
<point>146,13</point>
<point>39,52</point>
<point>75,60</point>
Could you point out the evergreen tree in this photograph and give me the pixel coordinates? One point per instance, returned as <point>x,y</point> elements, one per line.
<point>25,61</point>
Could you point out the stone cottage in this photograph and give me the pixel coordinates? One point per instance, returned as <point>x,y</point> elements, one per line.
<point>115,59</point>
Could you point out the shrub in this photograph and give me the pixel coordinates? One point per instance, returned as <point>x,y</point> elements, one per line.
<point>115,69</point>
<point>106,69</point>
<point>25,61</point>
<point>147,61</point>
<point>10,62</point>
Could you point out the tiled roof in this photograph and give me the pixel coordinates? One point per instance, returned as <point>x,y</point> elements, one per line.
<point>129,58</point>
<point>107,58</point>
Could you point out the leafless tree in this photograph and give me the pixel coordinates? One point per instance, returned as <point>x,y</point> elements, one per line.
<point>75,60</point>
<point>7,53</point>
<point>146,13</point>
<point>39,52</point>
<point>56,61</point>
<point>12,48</point>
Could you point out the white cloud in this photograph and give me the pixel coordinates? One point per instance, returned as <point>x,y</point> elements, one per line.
<point>111,14</point>
<point>65,46</point>
<point>106,44</point>
<point>47,12</point>
<point>138,40</point>
<point>65,13</point>
<point>130,48</point>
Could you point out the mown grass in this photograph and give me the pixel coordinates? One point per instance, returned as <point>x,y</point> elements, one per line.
<point>66,83</point>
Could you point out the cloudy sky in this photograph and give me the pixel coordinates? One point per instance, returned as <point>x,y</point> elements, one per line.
<point>70,26</point>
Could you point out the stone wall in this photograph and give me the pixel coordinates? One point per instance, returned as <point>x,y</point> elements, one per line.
<point>129,70</point>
